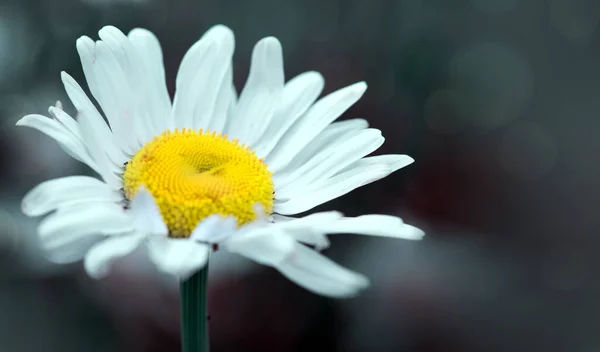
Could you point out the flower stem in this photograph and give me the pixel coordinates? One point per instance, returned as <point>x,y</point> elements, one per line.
<point>194,313</point>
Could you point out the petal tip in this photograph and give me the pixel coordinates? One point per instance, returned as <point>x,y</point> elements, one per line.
<point>27,119</point>
<point>66,78</point>
<point>220,28</point>
<point>219,33</point>
<point>316,75</point>
<point>143,34</point>
<point>26,209</point>
<point>401,161</point>
<point>138,31</point>
<point>83,42</point>
<point>270,41</point>
<point>361,86</point>
<point>21,122</point>
<point>414,233</point>
<point>108,28</point>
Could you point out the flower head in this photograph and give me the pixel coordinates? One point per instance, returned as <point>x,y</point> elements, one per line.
<point>210,169</point>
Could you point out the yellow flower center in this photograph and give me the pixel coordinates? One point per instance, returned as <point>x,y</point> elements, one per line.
<point>195,174</point>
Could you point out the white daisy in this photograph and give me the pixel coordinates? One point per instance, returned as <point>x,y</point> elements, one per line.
<point>209,170</point>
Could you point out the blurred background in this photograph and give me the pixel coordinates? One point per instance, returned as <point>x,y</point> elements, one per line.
<point>498,102</point>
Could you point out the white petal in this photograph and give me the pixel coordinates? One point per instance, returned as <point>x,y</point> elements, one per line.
<point>178,256</point>
<point>374,225</point>
<point>261,94</point>
<point>332,135</point>
<point>300,183</point>
<point>95,147</point>
<point>109,85</point>
<point>329,161</point>
<point>202,70</point>
<point>319,147</point>
<point>298,95</point>
<point>282,218</point>
<point>151,56</point>
<point>308,229</point>
<point>338,128</point>
<point>214,228</point>
<point>320,275</point>
<point>122,107</point>
<point>309,220</point>
<point>86,50</point>
<point>72,251</point>
<point>100,257</point>
<point>266,245</point>
<point>212,93</point>
<point>226,100</point>
<point>67,191</point>
<point>146,214</point>
<point>316,119</point>
<point>130,62</point>
<point>393,161</point>
<point>233,100</point>
<point>73,222</point>
<point>70,143</point>
<point>313,237</point>
<point>338,185</point>
<point>65,119</point>
<point>85,106</point>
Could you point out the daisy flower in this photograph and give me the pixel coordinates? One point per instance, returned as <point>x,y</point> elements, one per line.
<point>209,170</point>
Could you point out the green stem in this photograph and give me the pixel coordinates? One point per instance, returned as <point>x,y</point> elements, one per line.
<point>194,313</point>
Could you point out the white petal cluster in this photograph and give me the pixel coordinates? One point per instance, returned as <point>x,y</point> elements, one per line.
<point>312,157</point>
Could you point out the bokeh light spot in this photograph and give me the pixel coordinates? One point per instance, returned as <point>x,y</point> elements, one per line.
<point>495,81</point>
<point>444,111</point>
<point>527,151</point>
